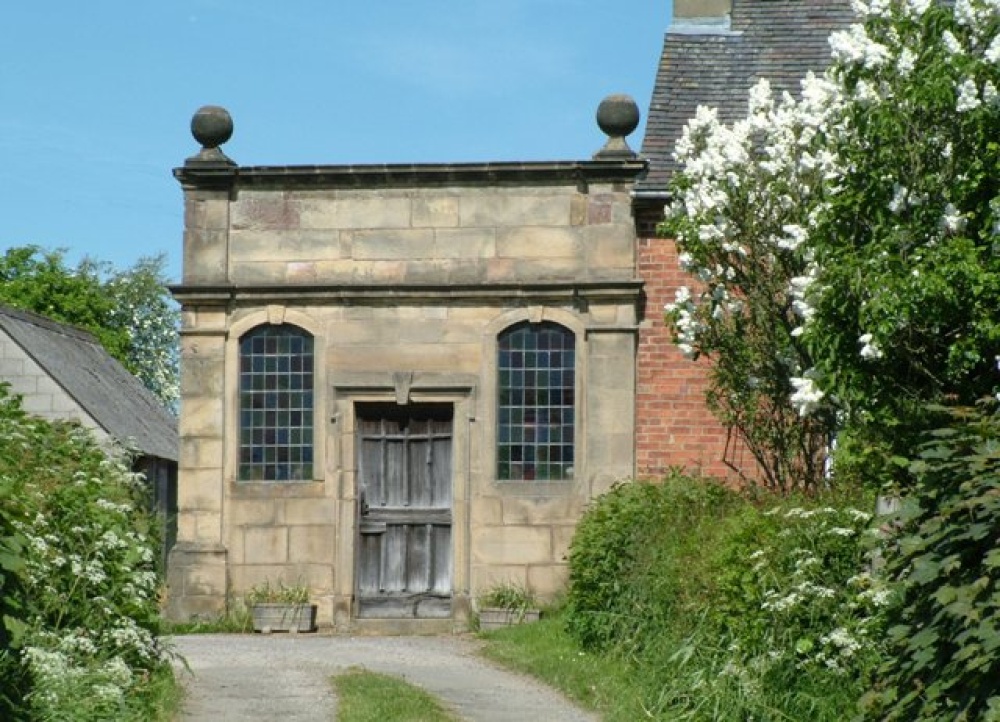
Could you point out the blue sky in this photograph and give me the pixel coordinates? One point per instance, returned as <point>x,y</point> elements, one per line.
<point>97,96</point>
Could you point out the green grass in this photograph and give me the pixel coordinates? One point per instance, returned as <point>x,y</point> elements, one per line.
<point>544,650</point>
<point>234,622</point>
<point>365,696</point>
<point>158,700</point>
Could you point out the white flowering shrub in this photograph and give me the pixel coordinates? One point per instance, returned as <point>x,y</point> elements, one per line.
<point>909,248</point>
<point>888,267</point>
<point>730,605</point>
<point>805,601</point>
<point>744,206</point>
<point>88,614</point>
<point>145,310</point>
<point>792,627</point>
<point>854,234</point>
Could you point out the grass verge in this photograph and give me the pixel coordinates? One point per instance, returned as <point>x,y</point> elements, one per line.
<point>157,700</point>
<point>544,650</point>
<point>366,696</point>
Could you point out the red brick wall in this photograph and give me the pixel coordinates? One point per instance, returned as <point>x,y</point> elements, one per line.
<point>673,425</point>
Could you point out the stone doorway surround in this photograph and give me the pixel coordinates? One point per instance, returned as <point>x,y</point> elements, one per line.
<point>403,388</point>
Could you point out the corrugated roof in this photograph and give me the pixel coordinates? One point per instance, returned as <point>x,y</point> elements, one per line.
<point>715,65</point>
<point>115,399</point>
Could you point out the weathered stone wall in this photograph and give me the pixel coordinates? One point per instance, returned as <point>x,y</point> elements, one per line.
<point>404,289</point>
<point>430,236</point>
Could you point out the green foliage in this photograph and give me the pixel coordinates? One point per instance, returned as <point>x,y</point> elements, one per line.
<point>908,246</point>
<point>277,593</point>
<point>12,602</point>
<point>129,311</point>
<point>620,582</point>
<point>945,634</point>
<point>511,596</point>
<point>83,595</point>
<point>730,606</point>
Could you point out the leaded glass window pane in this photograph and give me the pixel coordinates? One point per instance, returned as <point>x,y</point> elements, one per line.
<point>276,404</point>
<point>536,387</point>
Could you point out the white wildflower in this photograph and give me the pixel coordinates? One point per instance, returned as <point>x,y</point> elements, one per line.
<point>906,61</point>
<point>795,236</point>
<point>992,53</point>
<point>916,8</point>
<point>989,93</point>
<point>899,195</point>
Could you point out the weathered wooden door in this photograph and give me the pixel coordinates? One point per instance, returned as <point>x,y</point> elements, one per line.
<point>404,549</point>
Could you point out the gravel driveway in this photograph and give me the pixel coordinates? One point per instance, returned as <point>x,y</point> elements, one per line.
<point>286,677</point>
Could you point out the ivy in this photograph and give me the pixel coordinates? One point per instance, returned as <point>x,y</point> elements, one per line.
<point>944,636</point>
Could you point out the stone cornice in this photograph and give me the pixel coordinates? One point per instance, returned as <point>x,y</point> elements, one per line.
<point>582,173</point>
<point>560,292</point>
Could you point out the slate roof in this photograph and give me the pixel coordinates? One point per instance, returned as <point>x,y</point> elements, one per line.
<point>112,396</point>
<point>716,65</point>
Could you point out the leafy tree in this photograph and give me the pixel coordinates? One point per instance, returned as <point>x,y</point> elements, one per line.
<point>908,247</point>
<point>128,311</point>
<point>846,244</point>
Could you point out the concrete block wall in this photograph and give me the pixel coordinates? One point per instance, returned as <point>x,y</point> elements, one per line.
<point>42,396</point>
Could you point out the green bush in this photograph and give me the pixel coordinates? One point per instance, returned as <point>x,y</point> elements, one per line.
<point>945,634</point>
<point>627,567</point>
<point>15,678</point>
<point>730,606</point>
<point>80,583</point>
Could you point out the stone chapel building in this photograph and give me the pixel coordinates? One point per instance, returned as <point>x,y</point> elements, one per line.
<point>402,384</point>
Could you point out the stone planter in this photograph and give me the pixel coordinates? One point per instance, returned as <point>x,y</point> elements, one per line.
<point>497,617</point>
<point>283,617</point>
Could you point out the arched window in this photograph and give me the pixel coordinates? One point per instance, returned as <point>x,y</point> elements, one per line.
<point>536,388</point>
<point>276,404</point>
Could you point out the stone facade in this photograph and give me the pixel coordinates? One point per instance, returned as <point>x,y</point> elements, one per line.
<point>404,277</point>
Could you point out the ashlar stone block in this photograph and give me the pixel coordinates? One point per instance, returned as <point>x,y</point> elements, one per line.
<point>511,545</point>
<point>435,211</point>
<point>355,212</point>
<point>265,544</point>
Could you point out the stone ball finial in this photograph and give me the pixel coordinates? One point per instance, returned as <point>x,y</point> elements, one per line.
<point>617,116</point>
<point>211,126</point>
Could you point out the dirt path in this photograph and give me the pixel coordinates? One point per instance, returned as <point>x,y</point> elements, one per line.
<point>286,677</point>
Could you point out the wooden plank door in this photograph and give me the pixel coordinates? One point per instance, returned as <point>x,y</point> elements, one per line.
<point>404,545</point>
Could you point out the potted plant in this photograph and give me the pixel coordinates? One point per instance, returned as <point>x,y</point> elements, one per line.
<point>505,604</point>
<point>280,608</point>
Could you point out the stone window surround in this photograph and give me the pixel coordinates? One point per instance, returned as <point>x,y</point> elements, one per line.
<point>274,315</point>
<point>538,386</point>
<point>258,424</point>
<point>533,314</point>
